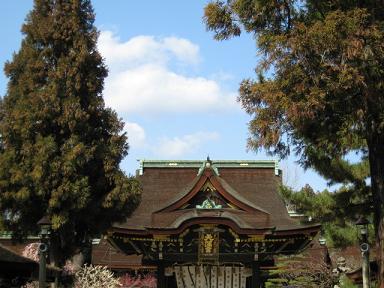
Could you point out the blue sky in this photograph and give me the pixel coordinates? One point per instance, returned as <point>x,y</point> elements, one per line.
<point>172,84</point>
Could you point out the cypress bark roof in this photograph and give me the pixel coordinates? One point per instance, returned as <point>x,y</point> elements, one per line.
<point>248,187</point>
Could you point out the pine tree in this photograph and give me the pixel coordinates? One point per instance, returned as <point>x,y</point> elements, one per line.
<point>60,147</point>
<point>320,90</point>
<point>335,211</point>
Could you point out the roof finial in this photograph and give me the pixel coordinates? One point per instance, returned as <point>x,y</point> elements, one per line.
<point>208,162</point>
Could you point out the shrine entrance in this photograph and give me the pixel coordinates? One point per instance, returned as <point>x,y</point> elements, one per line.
<point>210,224</point>
<point>210,255</point>
<point>211,276</point>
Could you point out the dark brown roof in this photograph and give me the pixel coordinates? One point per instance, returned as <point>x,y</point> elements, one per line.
<point>105,254</point>
<point>13,265</point>
<point>250,185</point>
<point>9,256</point>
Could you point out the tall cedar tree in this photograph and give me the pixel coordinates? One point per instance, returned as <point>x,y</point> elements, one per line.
<point>60,147</point>
<point>320,86</point>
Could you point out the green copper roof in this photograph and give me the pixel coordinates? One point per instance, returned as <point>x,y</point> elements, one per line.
<point>5,235</point>
<point>273,164</point>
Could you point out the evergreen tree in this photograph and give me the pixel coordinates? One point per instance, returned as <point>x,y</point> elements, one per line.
<point>335,211</point>
<point>60,147</point>
<point>320,91</point>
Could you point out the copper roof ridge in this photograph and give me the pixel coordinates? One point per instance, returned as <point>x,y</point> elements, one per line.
<point>200,162</point>
<point>147,163</point>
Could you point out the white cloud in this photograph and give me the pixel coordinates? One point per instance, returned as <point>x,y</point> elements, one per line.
<point>141,80</point>
<point>166,146</point>
<point>153,88</point>
<point>136,135</point>
<point>146,49</point>
<point>179,146</point>
<point>183,49</point>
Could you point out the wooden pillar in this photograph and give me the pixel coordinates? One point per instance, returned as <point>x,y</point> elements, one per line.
<point>160,275</point>
<point>256,277</point>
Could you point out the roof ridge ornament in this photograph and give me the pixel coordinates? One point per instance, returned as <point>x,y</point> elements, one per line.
<point>208,164</point>
<point>209,204</point>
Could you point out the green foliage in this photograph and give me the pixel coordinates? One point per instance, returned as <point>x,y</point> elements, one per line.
<point>334,211</point>
<point>345,282</point>
<point>341,235</point>
<point>60,147</point>
<point>319,206</point>
<point>320,90</point>
<point>315,101</point>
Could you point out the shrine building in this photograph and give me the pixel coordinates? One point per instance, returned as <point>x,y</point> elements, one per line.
<point>210,223</point>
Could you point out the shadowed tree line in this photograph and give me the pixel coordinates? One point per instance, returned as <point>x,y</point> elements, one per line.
<point>60,147</point>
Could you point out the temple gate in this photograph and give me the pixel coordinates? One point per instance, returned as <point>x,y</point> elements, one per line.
<point>210,223</point>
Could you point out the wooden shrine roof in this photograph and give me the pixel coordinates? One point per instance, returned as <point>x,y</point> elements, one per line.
<point>13,265</point>
<point>9,256</point>
<point>249,186</point>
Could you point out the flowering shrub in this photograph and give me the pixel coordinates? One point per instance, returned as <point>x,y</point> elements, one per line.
<point>31,285</point>
<point>127,281</point>
<point>31,251</point>
<point>146,281</point>
<point>95,277</point>
<point>69,268</point>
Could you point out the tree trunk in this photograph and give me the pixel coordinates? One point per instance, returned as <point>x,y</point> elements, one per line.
<point>376,160</point>
<point>56,255</point>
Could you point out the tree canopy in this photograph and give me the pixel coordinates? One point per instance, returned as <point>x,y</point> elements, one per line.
<point>60,147</point>
<point>335,211</point>
<point>319,90</point>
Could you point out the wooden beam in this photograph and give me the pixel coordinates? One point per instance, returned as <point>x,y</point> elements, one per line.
<point>161,275</point>
<point>285,244</point>
<point>256,276</point>
<point>304,245</point>
<point>192,257</point>
<point>137,249</point>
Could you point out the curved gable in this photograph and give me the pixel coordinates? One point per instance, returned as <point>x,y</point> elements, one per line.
<point>209,188</point>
